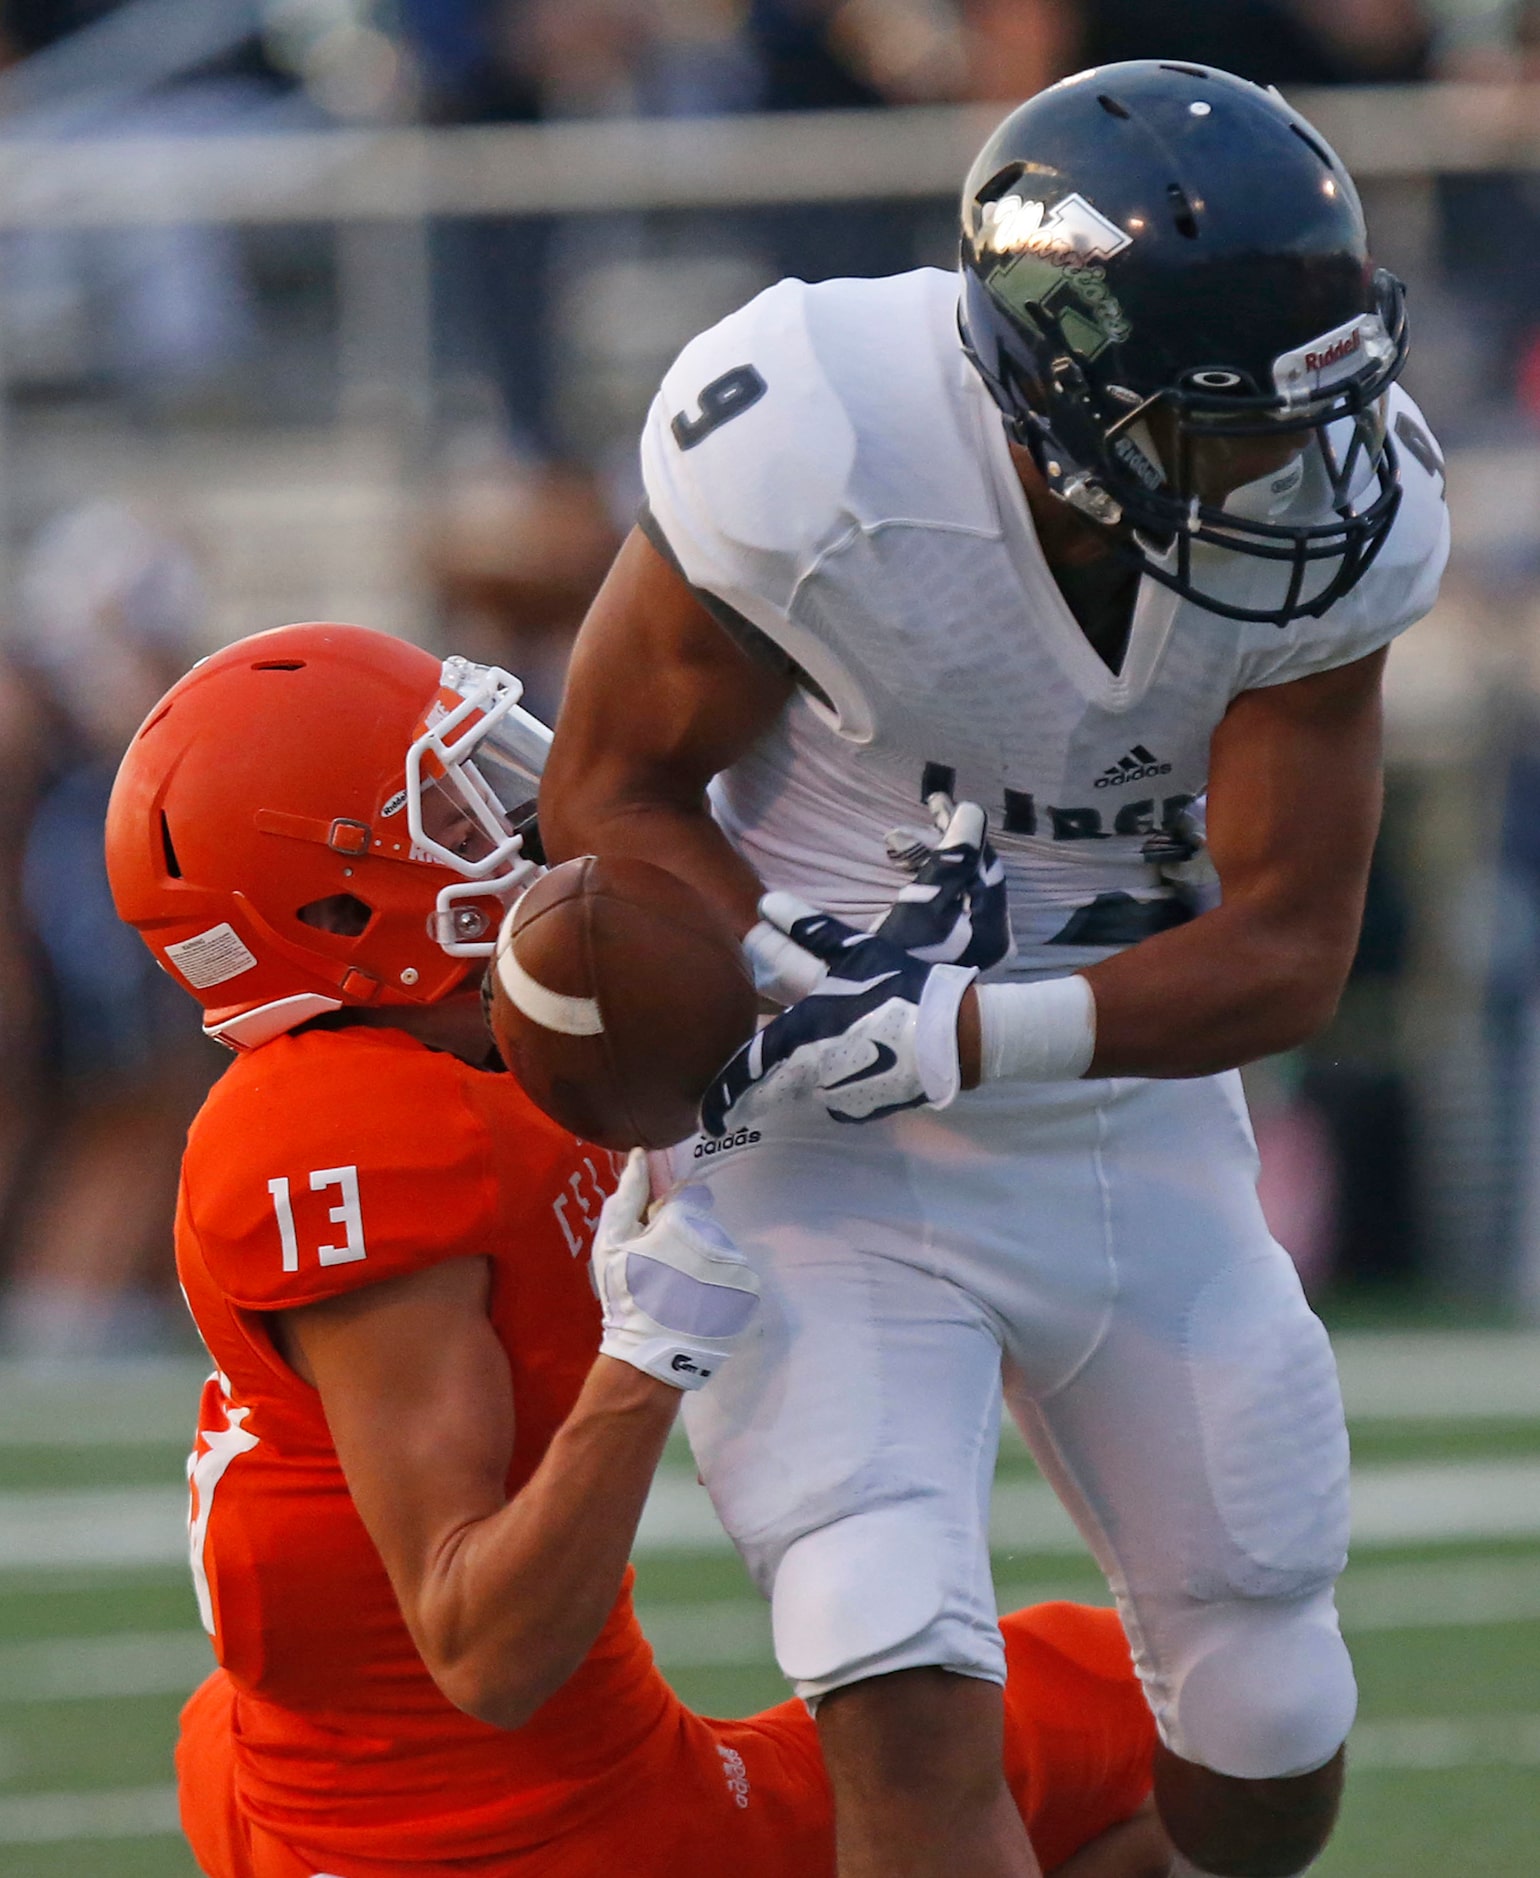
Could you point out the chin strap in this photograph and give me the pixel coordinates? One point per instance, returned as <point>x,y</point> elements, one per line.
<point>251,1029</point>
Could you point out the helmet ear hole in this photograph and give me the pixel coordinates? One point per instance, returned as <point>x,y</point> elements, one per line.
<point>341,913</point>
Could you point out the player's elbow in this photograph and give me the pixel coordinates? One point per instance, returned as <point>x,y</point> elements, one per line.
<point>495,1692</point>
<point>1304,989</point>
<point>492,1671</point>
<point>578,800</point>
<point>597,793</point>
<point>570,808</point>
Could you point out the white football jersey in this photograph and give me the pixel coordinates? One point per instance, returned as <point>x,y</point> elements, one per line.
<point>828,464</point>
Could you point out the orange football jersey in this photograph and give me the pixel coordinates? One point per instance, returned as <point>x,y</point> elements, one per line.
<point>334,1159</point>
<point>751,1797</point>
<point>1079,1735</point>
<point>320,1163</point>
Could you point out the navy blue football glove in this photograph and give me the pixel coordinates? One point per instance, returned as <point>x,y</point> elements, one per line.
<point>954,911</point>
<point>1180,851</point>
<point>877,1034</point>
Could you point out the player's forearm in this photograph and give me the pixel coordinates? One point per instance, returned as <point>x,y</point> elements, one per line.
<point>516,1600</point>
<point>679,836</point>
<point>1236,984</point>
<point>1138,1848</point>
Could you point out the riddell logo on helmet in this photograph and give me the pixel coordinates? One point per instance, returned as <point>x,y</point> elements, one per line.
<point>1133,458</point>
<point>1332,358</point>
<point>1334,354</point>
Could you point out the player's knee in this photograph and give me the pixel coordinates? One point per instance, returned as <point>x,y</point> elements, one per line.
<point>880,1591</point>
<point>1267,1692</point>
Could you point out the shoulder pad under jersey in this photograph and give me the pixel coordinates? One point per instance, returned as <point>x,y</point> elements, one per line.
<point>1397,590</point>
<point>327,1161</point>
<point>812,412</point>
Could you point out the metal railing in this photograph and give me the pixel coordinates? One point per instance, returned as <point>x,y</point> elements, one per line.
<point>581,167</point>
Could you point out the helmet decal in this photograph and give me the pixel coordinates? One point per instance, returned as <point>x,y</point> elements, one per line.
<point>1071,292</point>
<point>1073,228</point>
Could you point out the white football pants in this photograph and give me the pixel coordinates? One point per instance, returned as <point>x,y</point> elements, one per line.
<point>1100,1244</point>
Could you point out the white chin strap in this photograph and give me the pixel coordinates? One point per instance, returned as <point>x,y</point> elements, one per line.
<point>253,1028</point>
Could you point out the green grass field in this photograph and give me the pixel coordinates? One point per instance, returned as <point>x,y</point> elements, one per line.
<point>99,1637</point>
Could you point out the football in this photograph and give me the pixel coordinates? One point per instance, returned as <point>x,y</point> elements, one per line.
<point>615,995</point>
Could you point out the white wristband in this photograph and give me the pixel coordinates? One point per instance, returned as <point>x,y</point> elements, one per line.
<point>1043,1032</point>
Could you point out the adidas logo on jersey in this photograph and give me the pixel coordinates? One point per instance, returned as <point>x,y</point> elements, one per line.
<point>745,1138</point>
<point>1134,767</point>
<point>735,1773</point>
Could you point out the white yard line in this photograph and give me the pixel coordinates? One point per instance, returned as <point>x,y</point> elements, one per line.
<point>63,1818</point>
<point>1441,1375</point>
<point>1427,1744</point>
<point>1445,1741</point>
<point>1411,1502</point>
<point>734,1633</point>
<point>109,1527</point>
<point>130,1663</point>
<point>154,1399</point>
<point>731,1633</point>
<point>1459,1595</point>
<point>1386,1375</point>
<point>1395,1503</point>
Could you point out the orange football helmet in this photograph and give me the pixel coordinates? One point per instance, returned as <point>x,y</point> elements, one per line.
<point>324,815</point>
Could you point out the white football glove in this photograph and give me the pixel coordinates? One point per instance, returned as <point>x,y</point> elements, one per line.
<point>676,1293</point>
<point>877,1034</point>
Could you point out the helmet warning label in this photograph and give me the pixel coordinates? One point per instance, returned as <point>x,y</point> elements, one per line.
<point>209,958</point>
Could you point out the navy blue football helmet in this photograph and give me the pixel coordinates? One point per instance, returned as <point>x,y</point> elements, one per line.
<point>1157,257</point>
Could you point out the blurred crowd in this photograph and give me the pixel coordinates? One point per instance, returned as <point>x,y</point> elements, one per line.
<point>547,340</point>
<point>104,1060</point>
<point>171,315</point>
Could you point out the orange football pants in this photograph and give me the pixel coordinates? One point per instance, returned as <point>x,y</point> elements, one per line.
<point>750,1798</point>
<point>746,1798</point>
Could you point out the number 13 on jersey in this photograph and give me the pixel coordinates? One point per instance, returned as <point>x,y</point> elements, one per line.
<point>347,1214</point>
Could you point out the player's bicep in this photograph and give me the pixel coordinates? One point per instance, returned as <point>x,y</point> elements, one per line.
<point>419,1402</point>
<point>1294,798</point>
<point>660,695</point>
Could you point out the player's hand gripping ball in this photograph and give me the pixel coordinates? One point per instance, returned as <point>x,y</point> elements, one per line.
<point>877,1031</point>
<point>876,1034</point>
<point>677,1294</point>
<point>616,995</point>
